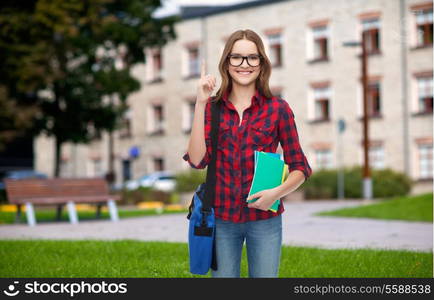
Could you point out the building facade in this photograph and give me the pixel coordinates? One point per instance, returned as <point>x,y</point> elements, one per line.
<point>313,70</point>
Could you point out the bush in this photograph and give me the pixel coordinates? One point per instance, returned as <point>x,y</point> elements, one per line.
<point>189,180</point>
<point>385,183</point>
<point>321,184</point>
<point>3,197</point>
<point>174,198</point>
<point>142,194</point>
<point>392,183</point>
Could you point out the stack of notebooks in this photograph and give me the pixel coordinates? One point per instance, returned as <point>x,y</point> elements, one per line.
<point>269,173</point>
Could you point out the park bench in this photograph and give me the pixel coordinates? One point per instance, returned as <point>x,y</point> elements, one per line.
<point>60,192</point>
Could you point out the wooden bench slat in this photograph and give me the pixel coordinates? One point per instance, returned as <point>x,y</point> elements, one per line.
<point>61,200</point>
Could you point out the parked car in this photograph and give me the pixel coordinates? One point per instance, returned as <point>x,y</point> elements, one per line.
<point>162,180</point>
<point>20,174</point>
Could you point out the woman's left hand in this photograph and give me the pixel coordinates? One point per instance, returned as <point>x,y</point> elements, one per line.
<point>266,199</point>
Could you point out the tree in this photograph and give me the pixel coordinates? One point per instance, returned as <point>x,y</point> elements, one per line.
<point>15,119</point>
<point>17,108</point>
<point>71,61</point>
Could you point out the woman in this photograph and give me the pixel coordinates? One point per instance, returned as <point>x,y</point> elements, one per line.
<point>251,119</point>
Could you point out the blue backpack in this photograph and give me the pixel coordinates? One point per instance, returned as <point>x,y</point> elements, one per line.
<point>201,231</point>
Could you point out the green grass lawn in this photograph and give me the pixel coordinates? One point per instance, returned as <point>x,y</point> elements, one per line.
<point>49,215</point>
<point>127,258</point>
<point>416,208</point>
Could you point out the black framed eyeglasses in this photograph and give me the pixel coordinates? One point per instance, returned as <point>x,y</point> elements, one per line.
<point>237,60</point>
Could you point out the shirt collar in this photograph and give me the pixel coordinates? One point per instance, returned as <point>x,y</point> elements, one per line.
<point>257,98</point>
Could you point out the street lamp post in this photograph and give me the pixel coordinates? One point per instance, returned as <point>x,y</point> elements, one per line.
<point>367,181</point>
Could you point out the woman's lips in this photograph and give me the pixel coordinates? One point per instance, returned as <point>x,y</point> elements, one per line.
<point>244,73</point>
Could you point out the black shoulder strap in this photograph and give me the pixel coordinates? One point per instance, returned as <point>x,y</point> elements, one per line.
<point>210,184</point>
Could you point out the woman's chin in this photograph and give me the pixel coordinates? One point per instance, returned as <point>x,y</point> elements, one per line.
<point>244,82</point>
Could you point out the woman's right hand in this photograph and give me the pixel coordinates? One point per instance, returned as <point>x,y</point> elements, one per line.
<point>205,85</point>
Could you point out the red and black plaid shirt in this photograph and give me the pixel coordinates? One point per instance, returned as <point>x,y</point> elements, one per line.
<point>265,123</point>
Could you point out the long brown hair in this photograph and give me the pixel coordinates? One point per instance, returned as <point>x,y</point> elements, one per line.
<point>262,81</point>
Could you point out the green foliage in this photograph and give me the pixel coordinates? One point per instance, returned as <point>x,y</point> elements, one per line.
<point>15,119</point>
<point>174,198</point>
<point>3,197</point>
<point>321,184</point>
<point>189,180</point>
<point>143,194</point>
<point>67,58</point>
<point>390,183</point>
<point>386,183</point>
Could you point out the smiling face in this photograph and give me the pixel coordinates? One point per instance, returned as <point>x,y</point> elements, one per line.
<point>244,74</point>
<point>244,43</point>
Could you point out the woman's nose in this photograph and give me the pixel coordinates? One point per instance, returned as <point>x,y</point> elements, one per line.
<point>245,64</point>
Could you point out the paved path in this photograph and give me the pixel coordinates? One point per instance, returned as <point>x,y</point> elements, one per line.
<point>300,228</point>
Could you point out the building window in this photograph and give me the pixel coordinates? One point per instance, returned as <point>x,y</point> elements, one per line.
<point>424,27</point>
<point>320,43</point>
<point>158,118</point>
<point>371,30</point>
<point>154,65</point>
<point>323,158</point>
<point>321,99</point>
<point>376,157</point>
<point>275,44</point>
<point>98,135</point>
<point>97,167</point>
<point>193,62</point>
<point>158,164</point>
<point>126,170</point>
<point>125,130</point>
<point>425,94</point>
<point>191,108</point>
<point>157,65</point>
<point>374,99</point>
<point>188,109</point>
<point>425,161</point>
<point>94,133</point>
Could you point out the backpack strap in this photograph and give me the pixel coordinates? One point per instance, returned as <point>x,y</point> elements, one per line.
<point>210,183</point>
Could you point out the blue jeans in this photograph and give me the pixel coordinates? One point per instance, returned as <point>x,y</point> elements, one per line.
<point>263,241</point>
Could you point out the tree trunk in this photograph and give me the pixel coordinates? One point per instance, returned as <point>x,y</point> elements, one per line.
<point>111,175</point>
<point>57,153</point>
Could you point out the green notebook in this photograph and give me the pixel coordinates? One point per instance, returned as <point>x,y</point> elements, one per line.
<point>269,173</point>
